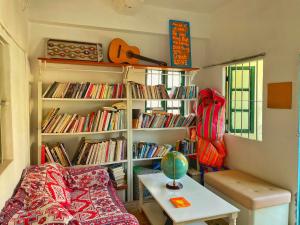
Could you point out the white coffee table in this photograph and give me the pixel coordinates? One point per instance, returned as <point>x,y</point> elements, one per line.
<point>205,205</point>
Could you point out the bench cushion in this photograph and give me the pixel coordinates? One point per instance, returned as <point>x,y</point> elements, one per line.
<point>247,190</point>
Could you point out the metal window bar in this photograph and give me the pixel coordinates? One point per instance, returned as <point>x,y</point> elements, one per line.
<point>166,105</point>
<point>242,93</point>
<point>235,98</point>
<point>252,114</point>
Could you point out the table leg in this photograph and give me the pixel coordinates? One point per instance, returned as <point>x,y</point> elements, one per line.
<point>232,219</point>
<point>141,195</point>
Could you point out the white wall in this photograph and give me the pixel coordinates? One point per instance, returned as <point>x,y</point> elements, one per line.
<point>13,29</point>
<point>100,14</point>
<point>243,28</point>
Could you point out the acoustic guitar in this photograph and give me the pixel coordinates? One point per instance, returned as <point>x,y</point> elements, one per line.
<point>120,52</point>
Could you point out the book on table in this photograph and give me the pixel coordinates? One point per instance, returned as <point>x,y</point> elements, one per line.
<point>180,202</point>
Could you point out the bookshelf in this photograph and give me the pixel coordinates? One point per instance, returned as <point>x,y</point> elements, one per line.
<point>51,70</point>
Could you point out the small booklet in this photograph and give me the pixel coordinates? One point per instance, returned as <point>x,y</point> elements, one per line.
<point>180,202</point>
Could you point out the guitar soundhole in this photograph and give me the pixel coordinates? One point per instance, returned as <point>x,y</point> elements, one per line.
<point>129,54</point>
<point>119,51</point>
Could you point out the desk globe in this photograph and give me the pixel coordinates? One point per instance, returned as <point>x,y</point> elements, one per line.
<point>174,165</point>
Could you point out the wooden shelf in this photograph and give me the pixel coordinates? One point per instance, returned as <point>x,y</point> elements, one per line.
<point>83,133</point>
<point>80,62</point>
<point>153,67</point>
<point>164,128</point>
<point>84,99</point>
<point>109,64</point>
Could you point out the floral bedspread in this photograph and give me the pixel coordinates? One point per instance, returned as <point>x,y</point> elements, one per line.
<point>52,194</point>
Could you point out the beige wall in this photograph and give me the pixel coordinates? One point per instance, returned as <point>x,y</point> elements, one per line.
<point>244,28</point>
<point>13,30</point>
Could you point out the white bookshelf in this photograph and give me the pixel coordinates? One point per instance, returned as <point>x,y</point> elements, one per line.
<point>72,71</point>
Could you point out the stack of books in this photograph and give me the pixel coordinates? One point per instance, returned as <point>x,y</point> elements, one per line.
<point>55,153</point>
<point>141,91</point>
<point>186,146</point>
<point>184,92</point>
<point>85,90</point>
<point>164,120</point>
<point>103,120</point>
<point>150,150</point>
<point>100,151</point>
<point>117,175</point>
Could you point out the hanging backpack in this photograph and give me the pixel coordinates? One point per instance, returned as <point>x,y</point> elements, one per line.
<point>211,149</point>
<point>211,114</point>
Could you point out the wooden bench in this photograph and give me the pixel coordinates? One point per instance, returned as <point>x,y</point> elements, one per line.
<point>261,203</point>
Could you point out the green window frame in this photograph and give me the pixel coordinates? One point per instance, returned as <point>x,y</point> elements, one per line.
<point>232,102</point>
<point>164,80</point>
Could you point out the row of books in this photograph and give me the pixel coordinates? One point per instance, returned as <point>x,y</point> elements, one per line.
<point>150,150</point>
<point>85,90</point>
<point>55,153</point>
<point>184,92</point>
<point>117,175</point>
<point>103,120</point>
<point>164,120</point>
<point>186,146</point>
<point>141,91</point>
<point>93,151</point>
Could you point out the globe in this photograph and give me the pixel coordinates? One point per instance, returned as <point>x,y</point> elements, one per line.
<point>174,165</point>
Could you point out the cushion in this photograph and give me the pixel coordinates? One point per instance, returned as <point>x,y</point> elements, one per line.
<point>247,190</point>
<point>86,177</point>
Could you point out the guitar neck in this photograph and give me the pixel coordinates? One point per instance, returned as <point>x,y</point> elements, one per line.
<point>160,63</point>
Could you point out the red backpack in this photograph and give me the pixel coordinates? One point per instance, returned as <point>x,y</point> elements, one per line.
<point>211,127</point>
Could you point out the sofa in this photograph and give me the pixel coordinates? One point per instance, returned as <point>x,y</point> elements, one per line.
<point>52,194</point>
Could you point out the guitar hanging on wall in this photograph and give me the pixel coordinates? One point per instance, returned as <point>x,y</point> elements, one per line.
<point>120,52</point>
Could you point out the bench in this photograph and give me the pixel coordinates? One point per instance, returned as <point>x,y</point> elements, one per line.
<point>261,203</point>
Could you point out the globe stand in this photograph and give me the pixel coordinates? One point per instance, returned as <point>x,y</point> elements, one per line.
<point>173,185</point>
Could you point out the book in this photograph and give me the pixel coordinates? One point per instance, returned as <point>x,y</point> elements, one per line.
<point>180,202</point>
<point>43,154</point>
<point>163,119</point>
<point>84,90</point>
<point>103,120</point>
<point>97,151</point>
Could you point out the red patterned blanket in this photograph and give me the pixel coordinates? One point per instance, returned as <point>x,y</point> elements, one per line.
<point>52,194</point>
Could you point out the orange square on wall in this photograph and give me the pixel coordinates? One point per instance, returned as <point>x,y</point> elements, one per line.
<point>280,95</point>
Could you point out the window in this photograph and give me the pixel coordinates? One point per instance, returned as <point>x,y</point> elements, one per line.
<point>6,155</point>
<point>243,87</point>
<point>170,79</point>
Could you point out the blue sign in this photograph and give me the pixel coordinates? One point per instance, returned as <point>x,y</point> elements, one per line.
<point>180,44</point>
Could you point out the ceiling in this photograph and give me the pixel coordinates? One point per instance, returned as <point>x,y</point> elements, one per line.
<point>199,6</point>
